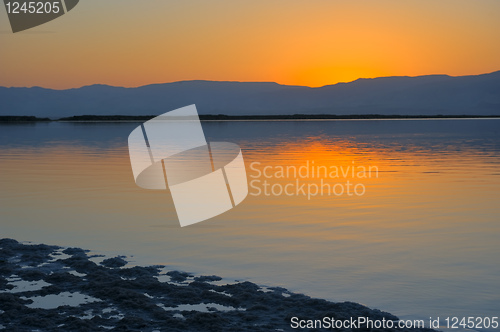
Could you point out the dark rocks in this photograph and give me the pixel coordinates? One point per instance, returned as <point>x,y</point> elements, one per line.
<point>133,299</point>
<point>177,276</point>
<point>31,275</point>
<point>207,278</point>
<point>114,262</point>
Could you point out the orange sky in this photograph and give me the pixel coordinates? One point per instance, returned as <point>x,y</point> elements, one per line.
<point>314,43</point>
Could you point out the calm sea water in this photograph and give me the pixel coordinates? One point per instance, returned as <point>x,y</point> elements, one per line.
<point>423,240</point>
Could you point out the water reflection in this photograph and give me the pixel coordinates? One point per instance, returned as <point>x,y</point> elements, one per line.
<point>421,241</point>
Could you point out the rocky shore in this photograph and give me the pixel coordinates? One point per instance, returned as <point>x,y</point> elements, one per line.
<point>49,288</point>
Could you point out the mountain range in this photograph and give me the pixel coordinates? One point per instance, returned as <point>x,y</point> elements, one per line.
<point>421,95</point>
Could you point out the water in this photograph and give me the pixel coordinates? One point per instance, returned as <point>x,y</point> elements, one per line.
<point>423,239</point>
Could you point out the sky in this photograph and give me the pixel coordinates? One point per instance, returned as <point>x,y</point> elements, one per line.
<point>316,42</point>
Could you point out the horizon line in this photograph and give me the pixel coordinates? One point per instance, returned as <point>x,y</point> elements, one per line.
<point>259,82</point>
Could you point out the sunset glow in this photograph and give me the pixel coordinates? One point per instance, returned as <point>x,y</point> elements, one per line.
<point>311,43</point>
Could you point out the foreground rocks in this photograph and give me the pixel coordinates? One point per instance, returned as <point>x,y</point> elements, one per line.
<point>48,288</point>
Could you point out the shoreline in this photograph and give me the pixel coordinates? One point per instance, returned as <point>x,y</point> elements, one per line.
<point>222,117</point>
<point>48,287</point>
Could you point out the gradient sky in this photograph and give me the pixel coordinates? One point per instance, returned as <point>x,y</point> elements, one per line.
<point>315,42</point>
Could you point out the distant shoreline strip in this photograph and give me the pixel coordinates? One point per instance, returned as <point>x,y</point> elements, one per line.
<point>222,117</point>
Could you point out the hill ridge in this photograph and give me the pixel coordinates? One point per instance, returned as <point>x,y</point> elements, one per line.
<point>401,95</point>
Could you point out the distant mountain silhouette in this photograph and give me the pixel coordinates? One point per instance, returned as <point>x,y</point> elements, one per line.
<point>422,95</point>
